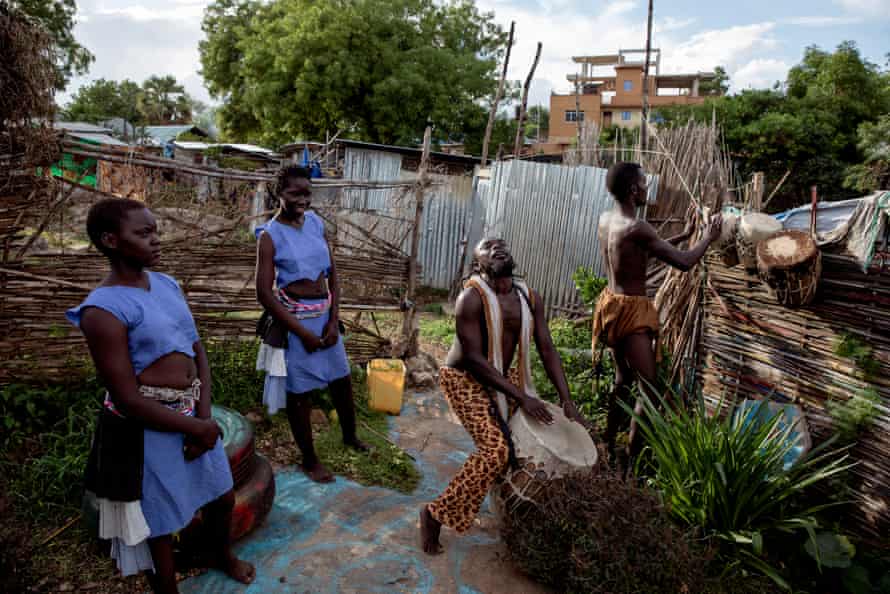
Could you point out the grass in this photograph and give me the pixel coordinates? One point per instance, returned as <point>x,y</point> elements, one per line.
<point>437,329</point>
<point>46,432</point>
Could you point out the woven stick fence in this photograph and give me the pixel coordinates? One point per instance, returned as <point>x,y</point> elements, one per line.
<point>211,253</point>
<point>753,348</point>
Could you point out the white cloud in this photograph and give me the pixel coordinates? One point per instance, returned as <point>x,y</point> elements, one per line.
<point>759,73</point>
<point>720,47</point>
<point>672,24</point>
<point>182,11</point>
<point>879,8</point>
<point>823,21</point>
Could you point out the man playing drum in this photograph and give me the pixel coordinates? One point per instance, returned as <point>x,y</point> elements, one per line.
<point>625,319</point>
<point>496,317</point>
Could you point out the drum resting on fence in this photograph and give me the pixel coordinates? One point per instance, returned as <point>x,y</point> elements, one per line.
<point>790,263</point>
<point>546,454</point>
<point>754,228</point>
<point>726,245</point>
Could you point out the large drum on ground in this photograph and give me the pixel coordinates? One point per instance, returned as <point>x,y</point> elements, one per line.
<point>254,481</point>
<point>790,263</point>
<point>726,245</point>
<point>546,454</point>
<point>754,228</point>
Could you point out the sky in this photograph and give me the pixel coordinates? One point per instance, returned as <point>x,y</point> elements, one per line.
<point>757,41</point>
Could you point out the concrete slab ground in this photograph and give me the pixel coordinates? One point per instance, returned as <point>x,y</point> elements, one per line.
<point>348,538</point>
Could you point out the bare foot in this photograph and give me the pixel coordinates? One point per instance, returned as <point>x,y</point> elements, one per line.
<point>318,473</point>
<point>357,445</point>
<point>238,570</point>
<point>429,532</point>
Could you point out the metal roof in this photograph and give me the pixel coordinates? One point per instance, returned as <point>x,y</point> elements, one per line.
<point>159,135</point>
<point>97,138</point>
<point>81,127</point>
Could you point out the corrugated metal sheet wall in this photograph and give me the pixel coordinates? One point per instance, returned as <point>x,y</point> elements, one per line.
<point>548,213</point>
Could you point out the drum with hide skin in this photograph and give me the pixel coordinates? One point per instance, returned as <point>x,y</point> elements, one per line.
<point>726,245</point>
<point>754,228</point>
<point>546,454</point>
<point>790,263</point>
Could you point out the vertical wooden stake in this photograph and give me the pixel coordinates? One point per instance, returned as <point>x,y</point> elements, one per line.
<point>409,325</point>
<point>497,98</point>
<point>645,123</point>
<point>757,192</point>
<point>517,145</point>
<point>814,193</point>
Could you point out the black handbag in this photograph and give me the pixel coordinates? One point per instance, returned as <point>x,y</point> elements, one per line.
<point>273,332</point>
<point>115,463</point>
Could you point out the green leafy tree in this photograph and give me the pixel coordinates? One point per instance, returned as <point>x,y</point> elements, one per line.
<point>379,70</point>
<point>810,126</point>
<point>874,173</point>
<point>106,99</point>
<point>537,122</point>
<point>58,17</point>
<point>164,101</point>
<point>718,86</point>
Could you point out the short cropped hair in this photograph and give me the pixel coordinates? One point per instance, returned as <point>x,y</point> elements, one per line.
<point>289,172</point>
<point>621,177</point>
<point>106,215</point>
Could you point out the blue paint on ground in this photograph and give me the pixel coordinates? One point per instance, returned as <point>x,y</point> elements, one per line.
<point>328,538</point>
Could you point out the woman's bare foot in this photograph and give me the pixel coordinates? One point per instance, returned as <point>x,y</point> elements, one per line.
<point>429,532</point>
<point>318,473</point>
<point>357,445</point>
<point>238,570</point>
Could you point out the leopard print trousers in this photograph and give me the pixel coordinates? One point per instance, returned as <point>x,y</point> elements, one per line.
<point>458,505</point>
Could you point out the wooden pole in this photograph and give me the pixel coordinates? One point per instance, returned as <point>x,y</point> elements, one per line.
<point>517,144</point>
<point>578,112</point>
<point>497,98</point>
<point>409,326</point>
<point>757,192</point>
<point>814,194</point>
<point>645,123</point>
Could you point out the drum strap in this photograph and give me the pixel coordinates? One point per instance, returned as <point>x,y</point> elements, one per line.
<point>505,430</point>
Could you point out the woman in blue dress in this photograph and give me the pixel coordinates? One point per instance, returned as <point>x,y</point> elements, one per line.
<point>157,457</point>
<point>296,283</point>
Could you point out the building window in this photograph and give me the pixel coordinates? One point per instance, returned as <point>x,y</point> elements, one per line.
<point>628,85</point>
<point>625,115</point>
<point>574,116</point>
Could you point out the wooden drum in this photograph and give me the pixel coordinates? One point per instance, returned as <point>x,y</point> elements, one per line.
<point>754,228</point>
<point>546,454</point>
<point>726,245</point>
<point>790,263</point>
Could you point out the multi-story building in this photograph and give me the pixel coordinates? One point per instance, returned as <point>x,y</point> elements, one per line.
<point>615,98</point>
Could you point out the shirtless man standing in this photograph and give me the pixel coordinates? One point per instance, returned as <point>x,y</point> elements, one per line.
<point>497,317</point>
<point>625,318</point>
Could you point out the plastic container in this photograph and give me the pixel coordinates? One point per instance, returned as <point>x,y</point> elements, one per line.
<point>386,384</point>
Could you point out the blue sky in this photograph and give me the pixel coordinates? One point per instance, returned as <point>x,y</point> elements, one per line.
<point>756,40</point>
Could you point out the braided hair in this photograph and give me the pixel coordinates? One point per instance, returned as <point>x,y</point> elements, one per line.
<point>288,172</point>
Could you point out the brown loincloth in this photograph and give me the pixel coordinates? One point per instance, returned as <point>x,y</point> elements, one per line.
<point>619,316</point>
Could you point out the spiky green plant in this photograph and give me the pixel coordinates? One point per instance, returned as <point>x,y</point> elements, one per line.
<point>726,475</point>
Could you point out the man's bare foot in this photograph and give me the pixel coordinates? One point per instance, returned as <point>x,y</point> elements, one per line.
<point>357,445</point>
<point>429,532</point>
<point>318,473</point>
<point>238,570</point>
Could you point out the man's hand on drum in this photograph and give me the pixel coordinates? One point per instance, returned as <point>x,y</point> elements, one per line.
<point>572,412</point>
<point>536,409</point>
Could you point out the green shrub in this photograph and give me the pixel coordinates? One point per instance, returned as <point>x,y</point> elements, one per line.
<point>589,285</point>
<point>441,330</point>
<point>727,476</point>
<point>853,416</point>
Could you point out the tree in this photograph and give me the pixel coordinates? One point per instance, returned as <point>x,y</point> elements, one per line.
<point>105,99</point>
<point>810,127</point>
<point>537,124</point>
<point>719,85</point>
<point>164,101</point>
<point>57,16</point>
<point>874,173</point>
<point>379,70</point>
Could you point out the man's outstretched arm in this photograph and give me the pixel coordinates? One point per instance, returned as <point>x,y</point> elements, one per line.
<point>551,360</point>
<point>683,260</point>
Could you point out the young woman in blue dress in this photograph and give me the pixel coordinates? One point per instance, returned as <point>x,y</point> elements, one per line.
<point>296,283</point>
<point>157,457</point>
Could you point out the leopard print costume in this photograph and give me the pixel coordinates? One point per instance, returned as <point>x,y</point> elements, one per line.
<point>458,505</point>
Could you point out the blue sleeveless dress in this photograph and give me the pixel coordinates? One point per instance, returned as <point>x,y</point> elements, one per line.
<point>301,254</point>
<point>159,322</point>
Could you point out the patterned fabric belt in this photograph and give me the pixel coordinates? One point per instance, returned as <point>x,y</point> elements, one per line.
<point>304,311</point>
<point>181,401</point>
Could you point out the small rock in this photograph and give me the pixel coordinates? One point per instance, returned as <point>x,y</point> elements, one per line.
<point>422,379</point>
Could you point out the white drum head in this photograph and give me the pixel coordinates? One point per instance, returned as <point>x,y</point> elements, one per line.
<point>564,440</point>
